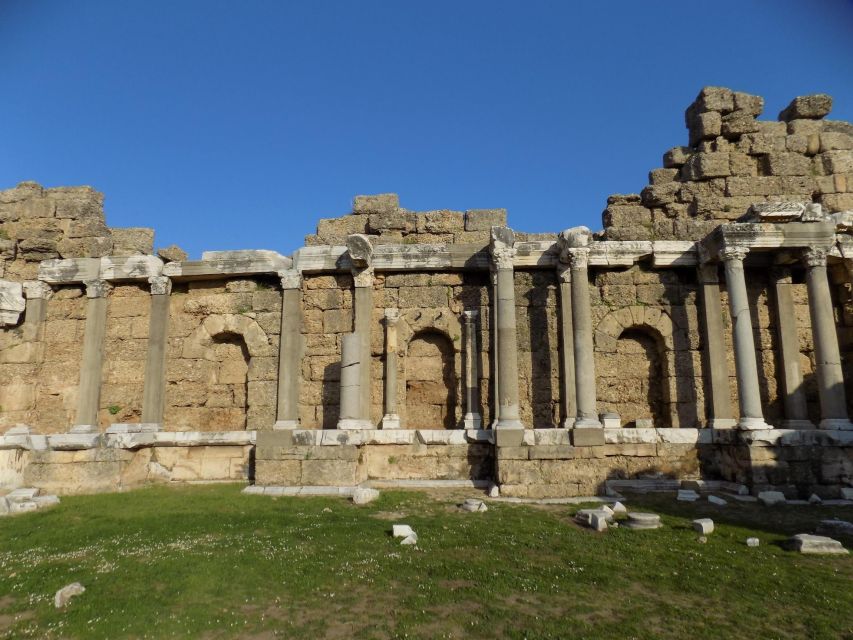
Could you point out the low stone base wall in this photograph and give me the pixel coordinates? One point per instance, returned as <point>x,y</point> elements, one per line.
<point>346,458</point>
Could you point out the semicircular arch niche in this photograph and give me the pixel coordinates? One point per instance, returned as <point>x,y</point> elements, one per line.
<point>431,382</point>
<point>633,349</point>
<point>209,388</point>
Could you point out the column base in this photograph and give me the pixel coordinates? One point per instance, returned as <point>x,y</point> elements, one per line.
<point>472,421</point>
<point>281,425</point>
<point>509,424</point>
<point>836,424</point>
<point>722,423</point>
<point>509,436</point>
<point>568,423</point>
<point>798,424</point>
<point>753,424</point>
<point>354,423</point>
<point>587,423</point>
<point>390,421</point>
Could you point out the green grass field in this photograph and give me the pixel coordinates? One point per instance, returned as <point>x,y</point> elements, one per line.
<point>208,562</point>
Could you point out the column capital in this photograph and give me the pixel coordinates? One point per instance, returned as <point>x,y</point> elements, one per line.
<point>290,279</point>
<point>160,285</point>
<point>578,258</point>
<point>363,278</point>
<point>470,316</point>
<point>392,316</point>
<point>502,257</point>
<point>37,290</point>
<point>97,288</point>
<point>735,252</point>
<point>564,273</point>
<point>814,257</point>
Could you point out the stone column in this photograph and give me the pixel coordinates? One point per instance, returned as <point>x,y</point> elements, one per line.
<point>154,390</point>
<point>749,396</point>
<point>89,391</point>
<point>507,339</point>
<point>472,419</point>
<point>37,294</point>
<point>584,356</point>
<point>493,354</point>
<point>391,420</point>
<point>289,351</point>
<point>363,307</point>
<point>567,345</point>
<point>796,411</point>
<point>350,413</point>
<point>717,371</point>
<point>830,381</point>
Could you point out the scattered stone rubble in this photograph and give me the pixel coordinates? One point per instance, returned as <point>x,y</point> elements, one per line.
<point>473,505</point>
<point>24,500</point>
<point>64,595</point>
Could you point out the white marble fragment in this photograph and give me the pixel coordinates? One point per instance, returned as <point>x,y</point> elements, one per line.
<point>717,501</point>
<point>66,593</point>
<point>411,539</point>
<point>752,542</point>
<point>618,507</point>
<point>705,526</point>
<point>815,545</point>
<point>364,495</point>
<point>473,505</point>
<point>814,499</point>
<point>494,491</point>
<point>770,498</point>
<point>687,495</point>
<point>401,530</point>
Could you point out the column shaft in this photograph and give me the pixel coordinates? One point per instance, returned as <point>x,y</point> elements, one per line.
<point>472,419</point>
<point>507,349</point>
<point>717,371</point>
<point>494,356</point>
<point>568,391</point>
<point>830,381</point>
<point>749,396</point>
<point>391,420</point>
<point>290,352</point>
<point>89,392</point>
<point>584,355</point>
<point>154,390</point>
<point>363,308</point>
<point>796,411</point>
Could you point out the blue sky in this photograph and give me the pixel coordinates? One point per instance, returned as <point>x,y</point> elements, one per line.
<point>230,125</point>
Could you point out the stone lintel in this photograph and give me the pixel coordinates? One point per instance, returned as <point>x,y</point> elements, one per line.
<point>112,268</point>
<point>755,235</point>
<point>217,264</point>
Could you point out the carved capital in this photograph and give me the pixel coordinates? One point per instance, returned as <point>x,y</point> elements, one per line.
<point>97,288</point>
<point>564,273</point>
<point>160,285</point>
<point>36,289</point>
<point>470,316</point>
<point>503,257</point>
<point>814,257</point>
<point>363,277</point>
<point>360,250</point>
<point>290,279</point>
<point>574,238</point>
<point>731,253</point>
<point>578,259</point>
<point>392,316</point>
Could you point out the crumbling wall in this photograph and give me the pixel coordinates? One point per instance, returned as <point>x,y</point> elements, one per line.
<point>734,160</point>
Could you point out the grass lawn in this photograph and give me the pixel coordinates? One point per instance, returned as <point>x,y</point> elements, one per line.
<point>206,561</point>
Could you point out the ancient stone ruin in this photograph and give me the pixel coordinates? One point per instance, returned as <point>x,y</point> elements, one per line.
<point>705,333</point>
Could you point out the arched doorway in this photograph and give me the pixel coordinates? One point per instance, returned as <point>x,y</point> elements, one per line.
<point>431,396</point>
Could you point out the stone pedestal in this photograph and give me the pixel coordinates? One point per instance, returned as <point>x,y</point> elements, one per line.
<point>584,356</point>
<point>290,351</point>
<point>796,410</point>
<point>154,390</point>
<point>717,374</point>
<point>833,404</point>
<point>391,420</point>
<point>568,390</point>
<point>89,393</point>
<point>472,419</point>
<point>749,397</point>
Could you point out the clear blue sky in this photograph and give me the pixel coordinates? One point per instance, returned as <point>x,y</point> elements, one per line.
<point>230,125</point>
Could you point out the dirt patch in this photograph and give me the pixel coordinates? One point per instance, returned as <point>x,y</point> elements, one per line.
<point>9,620</point>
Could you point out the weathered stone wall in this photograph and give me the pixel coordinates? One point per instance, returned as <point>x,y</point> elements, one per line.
<point>733,161</point>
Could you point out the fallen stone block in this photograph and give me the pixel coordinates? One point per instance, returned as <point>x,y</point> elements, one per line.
<point>847,493</point>
<point>64,595</point>
<point>22,507</point>
<point>593,518</point>
<point>815,545</point>
<point>740,498</point>
<point>705,526</point>
<point>771,498</point>
<point>814,499</point>
<point>46,501</point>
<point>835,527</point>
<point>23,494</point>
<point>687,495</point>
<point>752,542</point>
<point>717,501</point>
<point>494,491</point>
<point>411,539</point>
<point>364,495</point>
<point>638,520</point>
<point>473,505</point>
<point>402,530</point>
<point>618,507</point>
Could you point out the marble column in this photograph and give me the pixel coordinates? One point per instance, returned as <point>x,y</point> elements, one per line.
<point>568,391</point>
<point>37,294</point>
<point>391,420</point>
<point>509,417</point>
<point>472,419</point>
<point>363,307</point>
<point>493,352</point>
<point>830,381</point>
<point>582,327</point>
<point>154,390</point>
<point>717,370</point>
<point>89,391</point>
<point>290,351</point>
<point>796,411</point>
<point>350,407</point>
<point>746,367</point>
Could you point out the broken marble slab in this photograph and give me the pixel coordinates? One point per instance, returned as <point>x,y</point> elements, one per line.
<point>815,545</point>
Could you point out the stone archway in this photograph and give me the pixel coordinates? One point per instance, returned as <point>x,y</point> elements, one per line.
<point>431,382</point>
<point>633,346</point>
